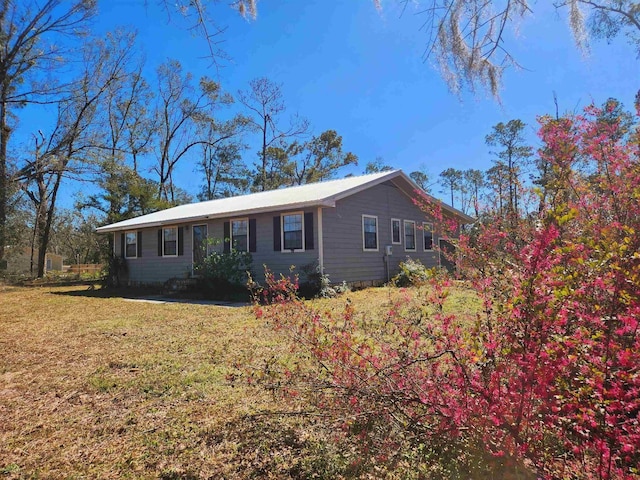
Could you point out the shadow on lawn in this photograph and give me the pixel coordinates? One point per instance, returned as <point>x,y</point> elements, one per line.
<point>150,295</point>
<point>122,292</point>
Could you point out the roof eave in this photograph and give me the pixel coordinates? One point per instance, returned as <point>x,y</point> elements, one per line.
<point>327,202</point>
<point>466,219</point>
<point>352,191</point>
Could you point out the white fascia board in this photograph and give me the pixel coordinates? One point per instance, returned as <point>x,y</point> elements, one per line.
<point>116,227</point>
<point>352,191</point>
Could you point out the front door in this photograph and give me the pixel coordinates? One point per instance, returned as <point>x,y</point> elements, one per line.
<point>199,245</point>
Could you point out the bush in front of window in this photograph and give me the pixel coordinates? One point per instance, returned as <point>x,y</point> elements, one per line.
<point>224,274</point>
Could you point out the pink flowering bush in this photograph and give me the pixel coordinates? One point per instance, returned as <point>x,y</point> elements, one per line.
<point>276,289</point>
<point>547,374</point>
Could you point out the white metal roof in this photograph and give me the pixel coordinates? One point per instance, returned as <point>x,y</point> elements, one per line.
<point>314,194</point>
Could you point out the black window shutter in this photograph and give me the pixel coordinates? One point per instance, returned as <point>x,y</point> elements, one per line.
<point>226,233</point>
<point>308,231</point>
<point>139,244</point>
<point>180,240</point>
<point>160,242</point>
<point>122,246</point>
<point>252,235</point>
<point>277,245</point>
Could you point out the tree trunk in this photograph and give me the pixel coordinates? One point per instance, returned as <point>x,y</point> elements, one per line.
<point>4,180</point>
<point>41,219</point>
<point>34,238</point>
<point>46,231</point>
<point>264,154</point>
<point>4,140</point>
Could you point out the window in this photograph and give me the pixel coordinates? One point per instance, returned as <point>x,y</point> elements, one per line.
<point>395,231</point>
<point>131,245</point>
<point>427,232</point>
<point>369,232</point>
<point>292,232</point>
<point>410,235</point>
<point>170,241</point>
<point>240,234</point>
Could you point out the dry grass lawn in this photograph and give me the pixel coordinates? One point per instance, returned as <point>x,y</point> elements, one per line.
<point>99,387</point>
<point>104,387</point>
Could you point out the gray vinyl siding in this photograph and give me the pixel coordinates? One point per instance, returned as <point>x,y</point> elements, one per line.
<point>153,269</point>
<point>278,261</point>
<point>344,256</point>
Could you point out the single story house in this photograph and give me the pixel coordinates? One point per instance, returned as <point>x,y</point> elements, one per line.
<point>358,229</point>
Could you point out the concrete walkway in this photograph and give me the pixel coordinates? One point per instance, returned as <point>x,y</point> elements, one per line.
<point>187,301</point>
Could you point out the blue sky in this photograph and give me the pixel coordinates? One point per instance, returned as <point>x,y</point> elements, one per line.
<point>346,66</point>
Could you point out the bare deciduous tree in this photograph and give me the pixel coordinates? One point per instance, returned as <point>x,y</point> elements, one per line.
<point>181,107</point>
<point>74,141</point>
<point>221,162</point>
<point>197,16</point>
<point>266,107</point>
<point>32,36</point>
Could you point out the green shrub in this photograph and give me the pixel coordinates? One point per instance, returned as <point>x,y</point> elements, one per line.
<point>116,269</point>
<point>224,274</point>
<point>412,272</point>
<point>317,284</point>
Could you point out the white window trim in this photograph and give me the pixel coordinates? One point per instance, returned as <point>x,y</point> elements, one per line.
<point>365,249</point>
<point>246,219</point>
<point>135,232</point>
<point>399,242</point>
<point>404,234</point>
<point>288,250</point>
<point>177,241</point>
<point>428,226</point>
